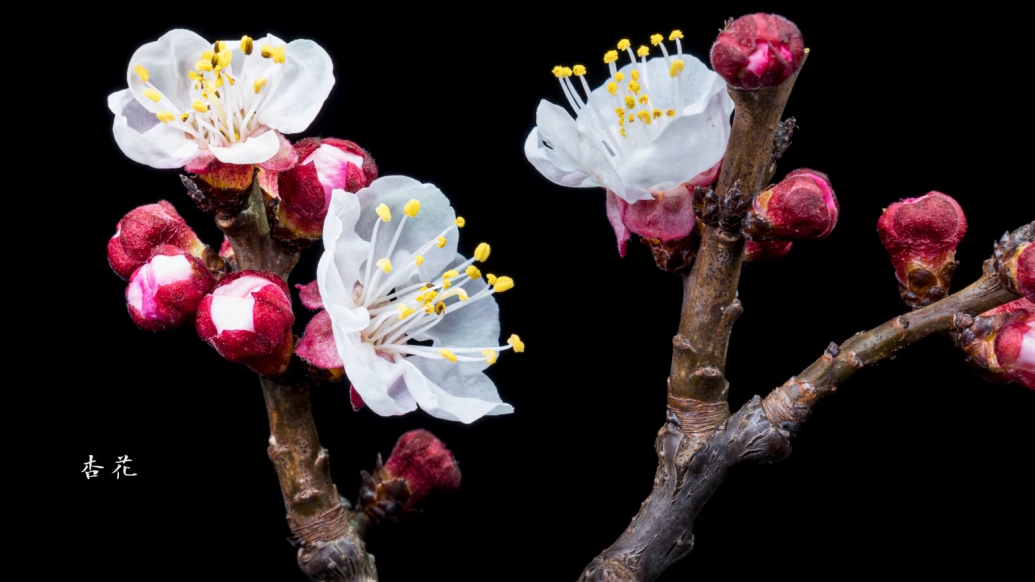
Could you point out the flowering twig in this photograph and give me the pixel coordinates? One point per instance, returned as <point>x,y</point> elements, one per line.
<point>697,384</point>
<point>691,468</point>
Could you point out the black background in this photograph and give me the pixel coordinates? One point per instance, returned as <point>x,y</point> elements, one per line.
<point>915,466</point>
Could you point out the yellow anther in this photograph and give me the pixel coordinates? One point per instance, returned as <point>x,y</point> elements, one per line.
<point>675,34</point>
<point>450,274</point>
<point>567,71</point>
<point>635,75</point>
<point>515,341</point>
<point>490,356</point>
<point>558,71</point>
<point>203,65</point>
<point>473,272</point>
<point>578,70</point>
<point>259,84</point>
<point>670,113</point>
<point>612,88</point>
<point>461,294</point>
<point>620,112</point>
<point>405,311</point>
<point>610,56</point>
<point>630,102</point>
<point>657,113</point>
<point>655,39</point>
<point>165,116</point>
<point>219,81</point>
<point>385,265</point>
<point>446,353</point>
<point>621,121</point>
<point>209,56</point>
<point>419,259</point>
<point>231,79</point>
<point>153,95</point>
<point>677,68</point>
<point>460,222</point>
<point>446,284</point>
<point>383,211</point>
<point>219,46</point>
<point>643,99</point>
<point>440,308</point>
<point>632,118</point>
<point>199,106</point>
<point>643,51</point>
<point>210,85</point>
<point>184,116</point>
<point>192,76</point>
<point>440,242</point>
<point>429,309</point>
<point>619,76</point>
<point>247,45</point>
<point>644,116</point>
<point>412,208</point>
<point>503,284</point>
<point>223,58</point>
<point>624,44</point>
<point>622,131</point>
<point>481,252</point>
<point>491,279</point>
<point>634,87</point>
<point>142,73</point>
<point>274,52</point>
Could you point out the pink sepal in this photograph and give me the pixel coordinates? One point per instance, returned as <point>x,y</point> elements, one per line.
<point>317,345</point>
<point>310,296</point>
<point>285,158</point>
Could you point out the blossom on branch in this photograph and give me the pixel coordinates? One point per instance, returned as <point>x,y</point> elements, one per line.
<point>655,125</point>
<point>145,229</point>
<point>191,102</point>
<point>414,323</point>
<point>164,292</point>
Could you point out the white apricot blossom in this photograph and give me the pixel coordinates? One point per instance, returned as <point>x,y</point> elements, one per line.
<point>190,98</point>
<point>654,125</point>
<point>414,323</point>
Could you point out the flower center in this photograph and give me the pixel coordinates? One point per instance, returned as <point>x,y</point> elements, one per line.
<point>400,312</point>
<point>631,120</point>
<point>223,106</point>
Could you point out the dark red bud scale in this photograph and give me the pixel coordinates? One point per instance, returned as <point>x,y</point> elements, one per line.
<point>801,207</point>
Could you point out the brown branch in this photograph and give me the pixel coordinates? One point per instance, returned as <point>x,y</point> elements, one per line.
<point>691,467</point>
<point>249,235</point>
<point>697,384</point>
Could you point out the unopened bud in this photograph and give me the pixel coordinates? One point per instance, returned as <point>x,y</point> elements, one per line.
<point>424,463</point>
<point>145,229</point>
<point>247,318</point>
<point>1000,344</point>
<point>1015,261</point>
<point>164,292</point>
<point>305,191</point>
<point>921,235</point>
<point>758,50</point>
<point>766,250</point>
<point>801,207</point>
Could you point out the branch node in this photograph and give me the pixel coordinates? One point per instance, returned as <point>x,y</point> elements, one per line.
<point>732,209</point>
<point>782,139</point>
<point>832,350</point>
<point>681,342</point>
<point>706,205</point>
<point>699,418</point>
<point>306,495</point>
<point>961,321</point>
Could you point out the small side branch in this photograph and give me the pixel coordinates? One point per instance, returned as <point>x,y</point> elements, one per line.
<point>710,305</point>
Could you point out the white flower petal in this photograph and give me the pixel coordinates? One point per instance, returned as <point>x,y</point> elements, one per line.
<point>302,87</point>
<point>344,253</point>
<point>435,216</point>
<point>551,165</point>
<point>157,144</point>
<point>475,324</point>
<point>452,391</point>
<point>253,150</point>
<point>168,60</point>
<point>557,128</point>
<point>379,381</point>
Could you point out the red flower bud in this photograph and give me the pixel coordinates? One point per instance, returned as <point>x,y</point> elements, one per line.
<point>424,463</point>
<point>247,318</point>
<point>305,191</point>
<point>921,235</point>
<point>758,50</point>
<point>801,207</point>
<point>164,293</point>
<point>1000,344</point>
<point>1015,261</point>
<point>143,230</point>
<point>766,250</point>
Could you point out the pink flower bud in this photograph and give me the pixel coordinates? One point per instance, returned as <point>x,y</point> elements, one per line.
<point>424,463</point>
<point>1015,345</point>
<point>801,207</point>
<point>758,50</point>
<point>144,229</point>
<point>921,235</point>
<point>766,250</point>
<point>247,318</point>
<point>1018,270</point>
<point>164,292</point>
<point>325,165</point>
